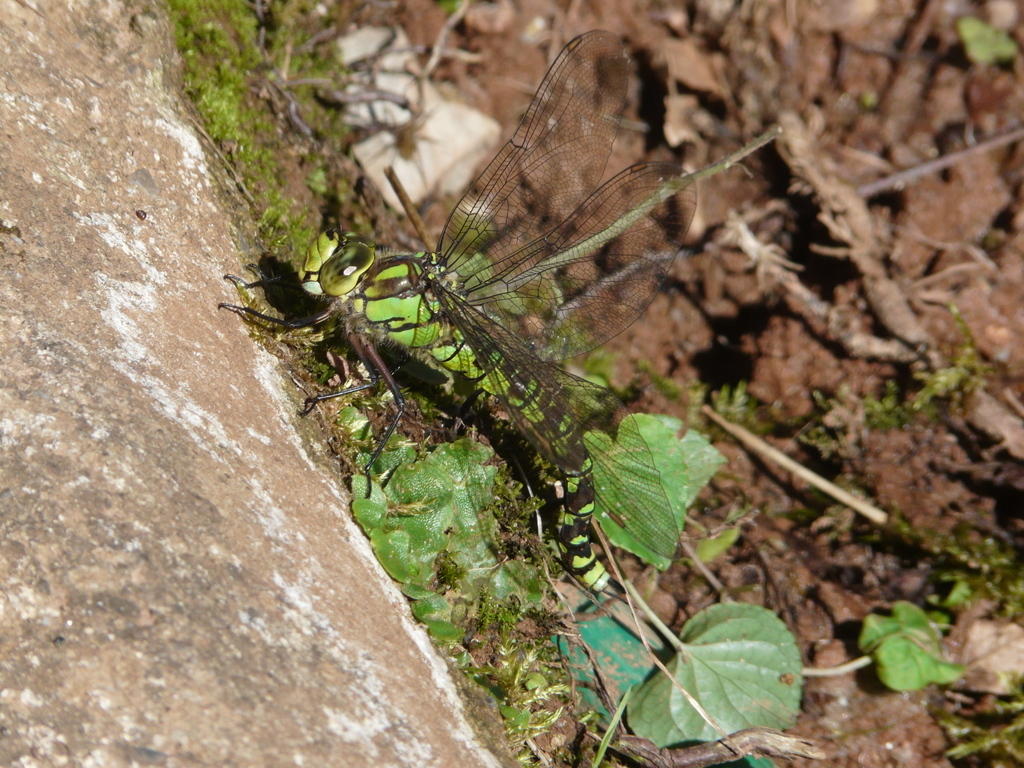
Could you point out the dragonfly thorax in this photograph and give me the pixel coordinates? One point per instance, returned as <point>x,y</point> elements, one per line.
<point>336,263</point>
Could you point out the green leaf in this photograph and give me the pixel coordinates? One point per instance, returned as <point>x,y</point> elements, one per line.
<point>435,514</point>
<point>708,549</point>
<point>983,43</point>
<point>740,662</point>
<point>517,718</point>
<point>685,464</point>
<point>906,649</point>
<point>959,595</point>
<point>434,611</point>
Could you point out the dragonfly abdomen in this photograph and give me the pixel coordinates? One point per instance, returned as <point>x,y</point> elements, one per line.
<point>536,409</point>
<point>555,434</point>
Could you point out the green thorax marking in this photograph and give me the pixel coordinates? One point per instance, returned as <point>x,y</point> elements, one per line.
<point>393,294</point>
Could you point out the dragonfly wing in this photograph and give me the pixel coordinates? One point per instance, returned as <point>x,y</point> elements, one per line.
<point>537,245</point>
<point>628,486</point>
<point>567,418</point>
<point>596,272</point>
<point>533,391</point>
<point>553,163</point>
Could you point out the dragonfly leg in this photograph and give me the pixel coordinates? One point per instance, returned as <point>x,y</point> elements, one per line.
<point>313,402</point>
<point>574,537</point>
<point>260,281</point>
<point>302,322</point>
<point>375,379</point>
<point>379,370</point>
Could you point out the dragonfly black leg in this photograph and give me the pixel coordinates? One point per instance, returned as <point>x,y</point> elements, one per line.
<point>313,402</point>
<point>375,379</point>
<point>378,371</point>
<point>367,353</point>
<point>259,282</point>
<point>302,322</point>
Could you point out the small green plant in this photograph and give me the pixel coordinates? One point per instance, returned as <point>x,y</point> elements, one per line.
<point>976,566</point>
<point>667,387</point>
<point>983,43</point>
<point>887,412</point>
<point>599,366</point>
<point>839,416</point>
<point>906,649</point>
<point>736,405</point>
<point>816,434</point>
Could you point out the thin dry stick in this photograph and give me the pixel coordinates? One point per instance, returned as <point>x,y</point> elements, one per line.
<point>841,669</point>
<point>901,179</point>
<point>765,742</point>
<point>438,49</point>
<point>633,599</point>
<point>759,446</point>
<point>699,564</point>
<point>410,209</point>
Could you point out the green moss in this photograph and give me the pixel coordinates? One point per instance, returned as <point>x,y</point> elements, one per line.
<point>499,615</point>
<point>449,573</point>
<point>994,736</point>
<point>887,412</point>
<point>734,404</point>
<point>965,374</point>
<point>974,565</point>
<point>666,386</point>
<point>816,434</point>
<point>219,43</point>
<point>531,693</point>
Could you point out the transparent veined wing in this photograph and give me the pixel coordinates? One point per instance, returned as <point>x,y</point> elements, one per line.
<point>537,245</point>
<point>569,419</point>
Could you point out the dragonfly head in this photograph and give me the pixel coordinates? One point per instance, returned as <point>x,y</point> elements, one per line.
<point>335,263</point>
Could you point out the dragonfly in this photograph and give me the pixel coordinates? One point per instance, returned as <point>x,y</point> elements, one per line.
<point>537,263</point>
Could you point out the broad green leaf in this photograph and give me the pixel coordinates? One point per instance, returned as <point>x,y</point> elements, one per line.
<point>740,662</point>
<point>685,465</point>
<point>907,650</point>
<point>437,510</point>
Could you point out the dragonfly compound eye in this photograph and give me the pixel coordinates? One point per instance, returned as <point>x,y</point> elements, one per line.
<point>336,263</point>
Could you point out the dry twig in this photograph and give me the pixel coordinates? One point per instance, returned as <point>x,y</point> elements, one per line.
<point>939,164</point>
<point>751,741</point>
<point>866,241</point>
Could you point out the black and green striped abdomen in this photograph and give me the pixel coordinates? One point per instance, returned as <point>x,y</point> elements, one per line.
<point>396,303</point>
